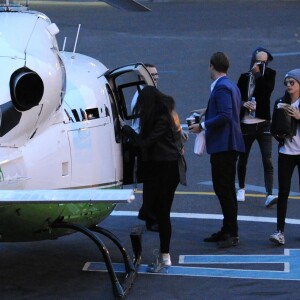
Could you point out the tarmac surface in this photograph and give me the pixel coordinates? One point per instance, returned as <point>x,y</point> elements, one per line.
<point>179,38</point>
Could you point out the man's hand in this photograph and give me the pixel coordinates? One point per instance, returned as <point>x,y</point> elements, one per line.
<point>200,111</point>
<point>195,128</point>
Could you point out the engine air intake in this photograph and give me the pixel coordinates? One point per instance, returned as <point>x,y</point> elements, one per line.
<point>26,89</point>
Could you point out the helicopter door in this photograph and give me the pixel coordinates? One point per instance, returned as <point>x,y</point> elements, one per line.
<point>126,82</point>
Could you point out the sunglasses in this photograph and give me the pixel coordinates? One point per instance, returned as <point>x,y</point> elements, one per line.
<point>290,82</point>
<point>259,62</point>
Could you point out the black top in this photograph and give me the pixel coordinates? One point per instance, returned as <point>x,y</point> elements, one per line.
<point>264,86</point>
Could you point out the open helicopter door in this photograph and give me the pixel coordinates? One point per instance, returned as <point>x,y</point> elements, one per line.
<point>126,82</point>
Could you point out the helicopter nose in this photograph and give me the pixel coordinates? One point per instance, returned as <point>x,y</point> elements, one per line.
<point>26,88</point>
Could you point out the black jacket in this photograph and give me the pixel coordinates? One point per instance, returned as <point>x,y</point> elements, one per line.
<point>163,142</point>
<point>264,86</point>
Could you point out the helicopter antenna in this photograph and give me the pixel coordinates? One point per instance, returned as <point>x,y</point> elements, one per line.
<point>64,45</point>
<point>27,3</point>
<point>76,38</point>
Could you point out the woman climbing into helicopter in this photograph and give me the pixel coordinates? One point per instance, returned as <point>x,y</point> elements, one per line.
<point>161,144</point>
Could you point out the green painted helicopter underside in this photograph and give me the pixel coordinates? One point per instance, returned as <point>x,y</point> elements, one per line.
<point>31,222</point>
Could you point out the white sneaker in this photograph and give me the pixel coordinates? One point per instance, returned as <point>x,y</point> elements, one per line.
<point>271,200</point>
<point>277,237</point>
<point>161,264</point>
<point>240,196</point>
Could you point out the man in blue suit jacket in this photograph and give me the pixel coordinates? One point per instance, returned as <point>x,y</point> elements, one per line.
<point>224,141</point>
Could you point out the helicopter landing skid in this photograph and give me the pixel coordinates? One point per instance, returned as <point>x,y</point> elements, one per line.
<point>131,266</point>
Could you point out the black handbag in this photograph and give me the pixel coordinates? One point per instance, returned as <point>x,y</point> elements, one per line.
<point>282,125</point>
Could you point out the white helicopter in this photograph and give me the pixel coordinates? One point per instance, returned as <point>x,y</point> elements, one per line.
<point>61,152</point>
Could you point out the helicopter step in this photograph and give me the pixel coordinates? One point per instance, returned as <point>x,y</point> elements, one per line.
<point>131,267</point>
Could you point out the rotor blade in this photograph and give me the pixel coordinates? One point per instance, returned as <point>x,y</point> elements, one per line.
<point>127,4</point>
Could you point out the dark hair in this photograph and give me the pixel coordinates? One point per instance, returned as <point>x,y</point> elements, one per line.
<point>169,102</point>
<point>220,62</point>
<point>286,97</point>
<point>152,104</point>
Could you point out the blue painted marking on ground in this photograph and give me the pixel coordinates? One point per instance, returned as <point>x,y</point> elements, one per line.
<point>290,261</point>
<point>232,259</point>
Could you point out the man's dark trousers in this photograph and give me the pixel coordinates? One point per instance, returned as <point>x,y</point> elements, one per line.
<point>223,166</point>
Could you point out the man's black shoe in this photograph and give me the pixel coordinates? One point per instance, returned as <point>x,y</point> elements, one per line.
<point>152,227</point>
<point>215,237</point>
<point>228,241</point>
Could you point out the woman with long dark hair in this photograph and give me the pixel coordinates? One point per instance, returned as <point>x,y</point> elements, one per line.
<point>160,143</point>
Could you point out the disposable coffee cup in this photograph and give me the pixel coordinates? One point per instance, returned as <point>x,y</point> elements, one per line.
<point>190,121</point>
<point>197,118</point>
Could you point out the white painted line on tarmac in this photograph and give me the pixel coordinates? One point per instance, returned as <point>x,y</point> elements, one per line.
<point>123,213</point>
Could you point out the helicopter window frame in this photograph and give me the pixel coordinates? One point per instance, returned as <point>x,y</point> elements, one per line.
<point>122,102</point>
<point>64,81</point>
<point>115,113</point>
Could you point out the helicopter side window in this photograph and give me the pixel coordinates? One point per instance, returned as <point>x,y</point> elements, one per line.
<point>88,114</point>
<point>76,116</point>
<point>92,113</point>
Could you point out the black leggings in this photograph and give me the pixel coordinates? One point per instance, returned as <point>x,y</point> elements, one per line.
<point>286,166</point>
<point>160,183</point>
<point>261,133</point>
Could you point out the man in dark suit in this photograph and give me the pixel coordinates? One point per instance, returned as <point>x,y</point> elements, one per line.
<point>224,142</point>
